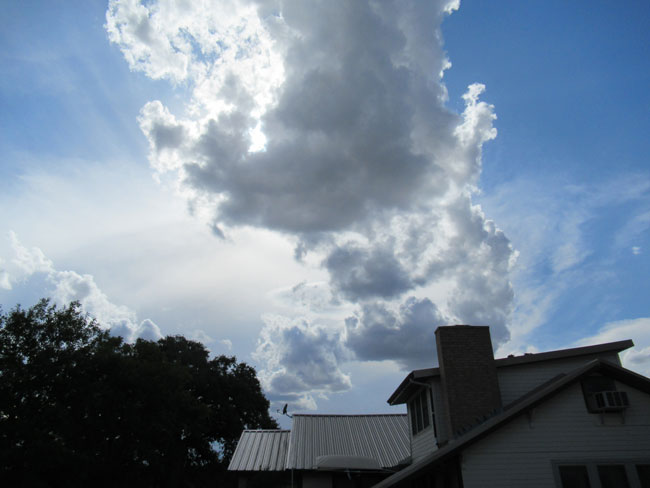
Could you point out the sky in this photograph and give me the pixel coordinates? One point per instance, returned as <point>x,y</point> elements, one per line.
<point>314,187</point>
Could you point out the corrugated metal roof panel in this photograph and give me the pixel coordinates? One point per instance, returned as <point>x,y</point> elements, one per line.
<point>381,437</point>
<point>261,450</point>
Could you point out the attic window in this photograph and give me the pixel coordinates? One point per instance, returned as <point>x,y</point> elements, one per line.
<point>419,412</point>
<point>601,395</point>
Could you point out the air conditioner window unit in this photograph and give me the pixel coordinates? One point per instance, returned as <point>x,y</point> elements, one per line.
<point>607,401</point>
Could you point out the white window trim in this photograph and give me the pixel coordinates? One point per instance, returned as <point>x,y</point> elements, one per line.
<point>592,470</point>
<point>427,398</point>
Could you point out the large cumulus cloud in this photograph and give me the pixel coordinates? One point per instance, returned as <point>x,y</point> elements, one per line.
<point>326,121</point>
<point>302,360</point>
<point>406,335</point>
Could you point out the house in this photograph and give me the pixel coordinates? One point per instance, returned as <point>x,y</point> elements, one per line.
<point>260,458</point>
<point>323,451</point>
<point>566,418</point>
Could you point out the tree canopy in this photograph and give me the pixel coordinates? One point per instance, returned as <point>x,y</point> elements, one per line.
<point>79,406</point>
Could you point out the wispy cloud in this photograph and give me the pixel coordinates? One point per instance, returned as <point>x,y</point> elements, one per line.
<point>637,358</point>
<point>558,228</point>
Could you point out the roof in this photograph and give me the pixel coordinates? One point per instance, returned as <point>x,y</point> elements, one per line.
<point>384,437</point>
<point>518,408</point>
<point>261,450</point>
<point>403,391</point>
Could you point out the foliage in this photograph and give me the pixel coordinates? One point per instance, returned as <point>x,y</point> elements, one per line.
<point>80,407</point>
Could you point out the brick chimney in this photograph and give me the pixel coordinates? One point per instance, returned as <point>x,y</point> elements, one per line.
<point>470,387</point>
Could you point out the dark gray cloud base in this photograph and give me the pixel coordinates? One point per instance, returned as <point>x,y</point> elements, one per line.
<point>406,336</point>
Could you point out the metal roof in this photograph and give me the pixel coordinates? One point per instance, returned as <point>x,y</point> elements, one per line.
<point>261,450</point>
<point>384,437</point>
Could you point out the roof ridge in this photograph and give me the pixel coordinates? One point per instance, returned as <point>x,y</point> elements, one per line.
<point>619,373</point>
<point>349,414</point>
<point>315,434</point>
<point>616,346</point>
<point>266,430</point>
<point>522,359</point>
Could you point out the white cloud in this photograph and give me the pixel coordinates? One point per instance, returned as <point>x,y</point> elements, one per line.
<point>632,230</point>
<point>636,358</point>
<point>301,359</point>
<point>5,279</point>
<point>68,286</point>
<point>331,162</point>
<point>363,166</point>
<point>144,251</point>
<point>205,44</point>
<point>147,330</point>
<point>309,299</point>
<point>549,222</point>
<point>405,335</point>
<point>24,262</point>
<point>202,337</point>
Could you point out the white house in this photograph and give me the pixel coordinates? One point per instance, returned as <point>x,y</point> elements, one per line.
<point>567,418</point>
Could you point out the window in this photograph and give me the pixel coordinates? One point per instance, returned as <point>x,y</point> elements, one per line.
<point>419,412</point>
<point>643,472</point>
<point>574,476</point>
<point>613,476</point>
<point>601,395</point>
<point>623,474</point>
<point>433,413</point>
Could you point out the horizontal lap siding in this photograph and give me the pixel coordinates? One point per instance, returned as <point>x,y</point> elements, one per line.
<point>562,429</point>
<point>517,380</point>
<point>423,443</point>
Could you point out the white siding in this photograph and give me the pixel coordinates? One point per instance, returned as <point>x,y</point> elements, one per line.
<point>517,380</point>
<point>521,454</point>
<point>423,443</point>
<point>440,409</point>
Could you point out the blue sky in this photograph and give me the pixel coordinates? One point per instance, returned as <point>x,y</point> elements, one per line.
<point>568,83</point>
<point>381,202</point>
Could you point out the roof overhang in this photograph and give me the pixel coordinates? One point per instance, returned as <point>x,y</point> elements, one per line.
<point>409,385</point>
<point>456,446</point>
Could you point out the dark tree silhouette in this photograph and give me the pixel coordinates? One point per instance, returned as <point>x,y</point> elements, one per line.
<point>79,407</point>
